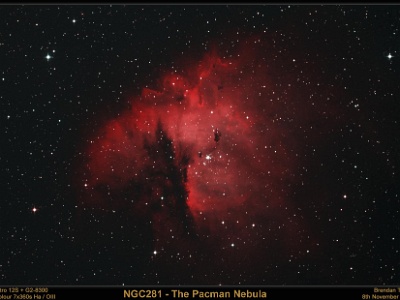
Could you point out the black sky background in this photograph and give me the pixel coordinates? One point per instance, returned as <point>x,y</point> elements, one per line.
<point>109,53</point>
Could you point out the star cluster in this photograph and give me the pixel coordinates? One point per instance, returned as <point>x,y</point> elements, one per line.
<point>191,144</point>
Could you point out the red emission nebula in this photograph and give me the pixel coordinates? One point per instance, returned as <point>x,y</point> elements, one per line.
<point>208,159</point>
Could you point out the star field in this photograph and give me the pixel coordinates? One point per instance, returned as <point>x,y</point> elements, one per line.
<point>194,144</point>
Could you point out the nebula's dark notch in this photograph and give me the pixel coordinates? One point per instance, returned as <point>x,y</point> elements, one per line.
<point>167,178</point>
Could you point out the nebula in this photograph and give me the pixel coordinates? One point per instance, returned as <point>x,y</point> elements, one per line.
<point>208,159</point>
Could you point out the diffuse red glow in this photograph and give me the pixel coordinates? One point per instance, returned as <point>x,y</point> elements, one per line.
<point>204,149</point>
